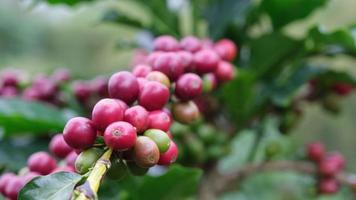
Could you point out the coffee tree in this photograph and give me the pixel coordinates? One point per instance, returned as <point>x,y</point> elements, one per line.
<point>205,112</point>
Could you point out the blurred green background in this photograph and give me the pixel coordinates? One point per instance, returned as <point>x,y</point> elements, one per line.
<point>39,38</point>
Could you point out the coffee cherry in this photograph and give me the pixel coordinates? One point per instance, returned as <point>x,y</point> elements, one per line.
<point>79,133</point>
<point>205,61</point>
<point>170,156</point>
<point>224,71</point>
<point>107,111</point>
<point>31,94</point>
<point>8,92</point>
<point>42,163</point>
<point>137,116</point>
<point>328,168</point>
<point>187,60</point>
<point>13,187</point>
<point>171,64</point>
<point>151,59</point>
<point>59,147</point>
<point>61,76</point>
<point>9,79</point>
<point>165,43</point>
<point>70,159</point>
<point>82,92</point>
<point>118,170</point>
<point>100,86</point>
<point>191,44</point>
<point>146,152</point>
<point>315,151</point>
<point>207,133</point>
<point>4,180</point>
<point>342,89</point>
<point>226,49</point>
<point>188,86</point>
<point>160,138</point>
<point>159,77</point>
<point>142,82</point>
<point>135,169</point>
<point>120,136</point>
<point>141,70</point>
<point>153,96</point>
<point>328,186</point>
<point>185,112</point>
<point>159,119</point>
<point>124,86</point>
<point>87,159</point>
<point>338,158</point>
<point>210,82</point>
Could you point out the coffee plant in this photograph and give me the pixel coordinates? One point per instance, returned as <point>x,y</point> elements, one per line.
<point>205,112</point>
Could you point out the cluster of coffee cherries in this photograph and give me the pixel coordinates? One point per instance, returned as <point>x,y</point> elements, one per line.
<point>329,165</point>
<point>62,158</point>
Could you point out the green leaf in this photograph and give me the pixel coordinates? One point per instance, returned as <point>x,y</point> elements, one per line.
<point>68,2</point>
<point>329,77</point>
<point>18,116</point>
<point>283,12</point>
<point>242,146</point>
<point>56,186</point>
<point>118,17</point>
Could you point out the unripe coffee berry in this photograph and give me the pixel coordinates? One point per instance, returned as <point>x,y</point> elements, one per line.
<point>315,151</point>
<point>205,61</point>
<point>165,43</point>
<point>226,49</point>
<point>146,152</point>
<point>191,44</point>
<point>120,135</point>
<point>170,156</point>
<point>137,116</point>
<point>160,138</point>
<point>87,159</point>
<point>188,86</point>
<point>224,71</point>
<point>210,82</point>
<point>154,96</point>
<point>141,70</point>
<point>42,163</point>
<point>59,147</point>
<point>124,86</point>
<point>328,186</point>
<point>107,111</point>
<point>159,119</point>
<point>159,77</point>
<point>185,112</point>
<point>79,133</point>
<point>4,180</point>
<point>135,169</point>
<point>13,187</point>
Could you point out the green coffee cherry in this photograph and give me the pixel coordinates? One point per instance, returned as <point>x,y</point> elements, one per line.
<point>207,133</point>
<point>135,169</point>
<point>160,138</point>
<point>179,129</point>
<point>87,159</point>
<point>195,149</point>
<point>118,170</point>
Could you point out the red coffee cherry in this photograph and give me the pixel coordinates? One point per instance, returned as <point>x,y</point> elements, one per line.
<point>191,44</point>
<point>151,59</point>
<point>185,112</point>
<point>224,71</point>
<point>100,86</point>
<point>160,138</point>
<point>59,147</point>
<point>153,96</point>
<point>13,187</point>
<point>82,92</point>
<point>31,94</point>
<point>165,43</point>
<point>188,86</point>
<point>142,82</point>
<point>4,180</point>
<point>70,159</point>
<point>342,89</point>
<point>9,79</point>
<point>170,156</point>
<point>205,61</point>
<point>8,92</point>
<point>120,136</point>
<point>146,152</point>
<point>137,116</point>
<point>159,77</point>
<point>187,59</point>
<point>338,158</point>
<point>79,133</point>
<point>226,49</point>
<point>141,70</point>
<point>159,119</point>
<point>210,82</point>
<point>328,168</point>
<point>107,111</point>
<point>42,163</point>
<point>171,64</point>
<point>124,86</point>
<point>61,76</point>
<point>315,151</point>
<point>328,186</point>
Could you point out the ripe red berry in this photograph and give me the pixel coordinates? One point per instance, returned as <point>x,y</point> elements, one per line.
<point>159,119</point>
<point>187,59</point>
<point>123,85</point>
<point>171,64</point>
<point>159,77</point>
<point>185,112</point>
<point>61,75</point>
<point>79,133</point>
<point>224,71</point>
<point>170,156</point>
<point>146,152</point>
<point>100,86</point>
<point>226,49</point>
<point>42,163</point>
<point>70,159</point>
<point>165,43</point>
<point>342,89</point>
<point>59,147</point>
<point>141,70</point>
<point>107,111</point>
<point>120,136</point>
<point>8,92</point>
<point>137,116</point>
<point>328,186</point>
<point>142,82</point>
<point>151,59</point>
<point>205,61</point>
<point>153,96</point>
<point>9,79</point>
<point>4,180</point>
<point>188,86</point>
<point>316,151</point>
<point>82,91</point>
<point>13,187</point>
<point>190,43</point>
<point>338,158</point>
<point>328,168</point>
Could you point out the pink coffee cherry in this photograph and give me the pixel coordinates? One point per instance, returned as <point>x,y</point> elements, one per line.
<point>165,43</point>
<point>142,82</point>
<point>4,179</point>
<point>315,151</point>
<point>328,186</point>
<point>79,133</point>
<point>59,147</point>
<point>159,119</point>
<point>171,64</point>
<point>141,70</point>
<point>124,86</point>
<point>224,71</point>
<point>61,76</point>
<point>187,59</point>
<point>191,44</point>
<point>13,187</point>
<point>120,136</point>
<point>82,92</point>
<point>205,61</point>
<point>42,163</point>
<point>137,116</point>
<point>151,59</point>
<point>170,156</point>
<point>153,96</point>
<point>188,86</point>
<point>338,158</point>
<point>226,49</point>
<point>100,86</point>
<point>159,77</point>
<point>70,159</point>
<point>328,168</point>
<point>107,111</point>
